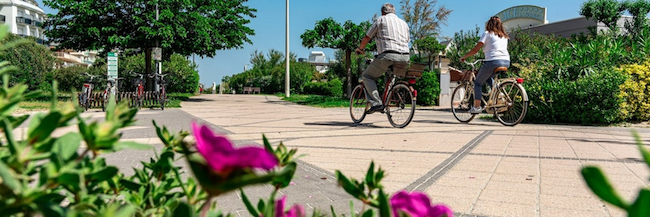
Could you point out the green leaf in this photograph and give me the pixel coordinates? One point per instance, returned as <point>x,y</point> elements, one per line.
<point>131,145</point>
<point>14,147</point>
<point>384,205</point>
<point>368,213</point>
<point>67,145</point>
<point>370,175</point>
<point>287,174</point>
<point>104,174</point>
<point>248,204</point>
<point>598,183</point>
<point>71,180</point>
<point>8,179</point>
<point>348,186</point>
<point>641,207</point>
<point>183,210</point>
<point>267,145</point>
<point>41,129</point>
<point>332,210</point>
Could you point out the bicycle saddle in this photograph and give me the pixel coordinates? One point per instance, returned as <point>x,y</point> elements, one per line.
<point>501,69</point>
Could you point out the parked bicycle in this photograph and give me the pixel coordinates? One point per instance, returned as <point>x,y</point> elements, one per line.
<point>85,98</point>
<point>507,99</point>
<point>138,96</point>
<point>110,91</point>
<point>399,97</point>
<point>162,95</point>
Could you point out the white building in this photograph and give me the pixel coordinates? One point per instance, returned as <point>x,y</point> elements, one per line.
<point>318,59</point>
<point>73,58</point>
<point>24,18</point>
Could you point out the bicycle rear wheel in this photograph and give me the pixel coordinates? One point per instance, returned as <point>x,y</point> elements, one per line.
<point>401,106</point>
<point>462,100</point>
<point>511,97</point>
<point>163,99</point>
<point>358,104</point>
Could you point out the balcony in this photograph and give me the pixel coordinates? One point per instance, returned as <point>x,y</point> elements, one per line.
<point>24,20</point>
<point>66,57</point>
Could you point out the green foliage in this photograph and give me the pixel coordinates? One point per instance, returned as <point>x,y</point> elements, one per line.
<point>331,88</point>
<point>592,99</point>
<point>328,33</point>
<point>639,10</point>
<point>268,73</point>
<point>188,27</point>
<point>430,46</point>
<point>635,92</point>
<point>600,185</point>
<point>34,61</point>
<point>69,78</point>
<point>463,42</point>
<point>428,88</point>
<point>182,77</point>
<point>605,11</point>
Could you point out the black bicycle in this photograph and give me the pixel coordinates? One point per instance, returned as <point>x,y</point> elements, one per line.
<point>162,94</point>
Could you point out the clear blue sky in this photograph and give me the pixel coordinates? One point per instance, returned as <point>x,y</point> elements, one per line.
<point>269,25</point>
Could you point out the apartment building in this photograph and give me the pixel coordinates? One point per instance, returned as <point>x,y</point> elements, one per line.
<point>24,18</point>
<point>74,58</point>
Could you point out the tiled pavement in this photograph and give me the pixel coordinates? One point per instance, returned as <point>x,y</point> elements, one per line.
<point>479,169</point>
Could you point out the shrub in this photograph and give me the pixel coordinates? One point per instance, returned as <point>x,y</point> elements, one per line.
<point>69,78</point>
<point>330,88</point>
<point>635,92</point>
<point>428,88</point>
<point>33,60</point>
<point>591,99</point>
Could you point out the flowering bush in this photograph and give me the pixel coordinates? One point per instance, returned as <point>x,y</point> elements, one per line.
<point>635,92</point>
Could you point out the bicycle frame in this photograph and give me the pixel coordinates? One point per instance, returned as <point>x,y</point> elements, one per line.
<point>492,101</point>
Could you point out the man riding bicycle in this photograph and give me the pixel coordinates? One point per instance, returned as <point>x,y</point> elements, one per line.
<point>392,36</point>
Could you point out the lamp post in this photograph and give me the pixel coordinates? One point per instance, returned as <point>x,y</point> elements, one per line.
<point>286,58</point>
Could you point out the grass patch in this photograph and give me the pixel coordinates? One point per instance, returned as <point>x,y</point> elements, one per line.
<point>317,100</point>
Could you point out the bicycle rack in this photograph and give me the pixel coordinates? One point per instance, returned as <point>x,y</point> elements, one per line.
<point>150,99</point>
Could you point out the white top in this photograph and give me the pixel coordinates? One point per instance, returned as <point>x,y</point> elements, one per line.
<point>494,48</point>
<point>391,33</point>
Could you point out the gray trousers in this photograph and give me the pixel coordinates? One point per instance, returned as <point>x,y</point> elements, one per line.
<point>375,70</point>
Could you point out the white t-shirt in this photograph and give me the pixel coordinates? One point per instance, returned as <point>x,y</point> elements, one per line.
<point>494,48</point>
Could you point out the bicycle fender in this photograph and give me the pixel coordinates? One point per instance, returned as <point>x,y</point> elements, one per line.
<point>522,88</point>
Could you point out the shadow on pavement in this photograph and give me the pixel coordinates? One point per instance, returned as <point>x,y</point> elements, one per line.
<point>610,141</point>
<point>197,100</point>
<point>343,124</point>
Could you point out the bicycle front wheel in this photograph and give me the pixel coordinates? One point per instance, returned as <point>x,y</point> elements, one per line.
<point>163,99</point>
<point>462,100</point>
<point>358,104</point>
<point>401,106</point>
<point>511,104</point>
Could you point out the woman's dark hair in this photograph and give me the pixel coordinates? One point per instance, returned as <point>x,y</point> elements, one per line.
<point>494,25</point>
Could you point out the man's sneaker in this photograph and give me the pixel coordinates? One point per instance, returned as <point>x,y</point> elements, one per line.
<point>377,108</point>
<point>476,110</point>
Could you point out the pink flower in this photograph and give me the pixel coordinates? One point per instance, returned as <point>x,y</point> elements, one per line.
<point>417,204</point>
<point>295,211</point>
<point>221,156</point>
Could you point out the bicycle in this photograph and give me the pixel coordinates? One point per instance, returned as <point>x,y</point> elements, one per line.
<point>110,91</point>
<point>85,98</point>
<point>398,99</point>
<point>162,95</point>
<point>507,99</point>
<point>139,90</point>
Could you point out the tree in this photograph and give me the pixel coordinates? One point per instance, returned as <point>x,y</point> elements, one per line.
<point>639,10</point>
<point>184,27</point>
<point>604,11</point>
<point>423,18</point>
<point>429,45</point>
<point>330,34</point>
<point>34,62</point>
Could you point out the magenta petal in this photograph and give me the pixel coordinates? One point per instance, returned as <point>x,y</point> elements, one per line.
<point>441,211</point>
<point>416,204</point>
<point>296,211</point>
<point>279,206</point>
<point>255,157</point>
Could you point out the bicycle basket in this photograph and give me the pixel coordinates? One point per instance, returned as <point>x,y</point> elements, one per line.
<point>455,74</point>
<point>416,70</point>
<point>467,75</point>
<point>400,68</point>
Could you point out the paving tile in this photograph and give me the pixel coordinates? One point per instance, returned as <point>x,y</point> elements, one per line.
<point>511,186</point>
<point>552,212</point>
<point>494,208</point>
<point>460,205</point>
<point>570,202</point>
<point>513,197</point>
<point>451,191</point>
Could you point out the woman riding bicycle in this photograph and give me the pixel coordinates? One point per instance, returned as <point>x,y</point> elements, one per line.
<point>496,53</point>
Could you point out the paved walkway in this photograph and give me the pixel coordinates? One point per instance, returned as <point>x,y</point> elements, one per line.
<point>479,169</point>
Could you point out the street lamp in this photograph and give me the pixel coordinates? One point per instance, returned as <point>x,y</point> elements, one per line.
<point>286,58</point>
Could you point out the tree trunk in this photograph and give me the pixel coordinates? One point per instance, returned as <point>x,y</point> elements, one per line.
<point>148,69</point>
<point>348,62</point>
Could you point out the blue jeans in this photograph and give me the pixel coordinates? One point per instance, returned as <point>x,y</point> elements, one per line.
<point>486,73</point>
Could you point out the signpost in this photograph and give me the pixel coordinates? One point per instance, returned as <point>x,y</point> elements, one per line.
<point>112,66</point>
